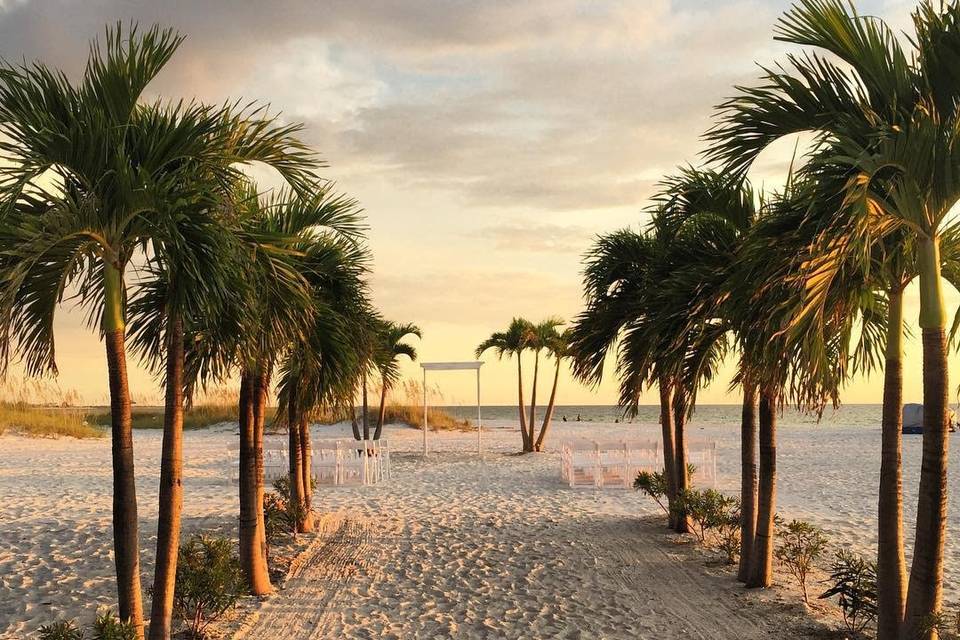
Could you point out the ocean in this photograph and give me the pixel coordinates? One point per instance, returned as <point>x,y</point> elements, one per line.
<point>849,415</point>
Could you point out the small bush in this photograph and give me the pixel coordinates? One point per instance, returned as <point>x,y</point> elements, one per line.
<point>61,630</point>
<point>209,582</point>
<point>708,509</point>
<point>728,531</point>
<point>801,543</point>
<point>947,626</point>
<point>653,484</point>
<point>855,585</point>
<point>108,627</point>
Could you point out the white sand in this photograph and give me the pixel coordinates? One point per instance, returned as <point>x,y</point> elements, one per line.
<point>452,546</point>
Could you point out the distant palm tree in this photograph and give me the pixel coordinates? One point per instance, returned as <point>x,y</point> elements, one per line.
<point>558,347</point>
<point>540,336</point>
<point>390,348</point>
<point>511,342</point>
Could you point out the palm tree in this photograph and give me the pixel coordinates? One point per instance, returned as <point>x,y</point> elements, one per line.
<point>620,273</point>
<point>116,165</point>
<point>657,343</point>
<point>391,348</point>
<point>273,307</point>
<point>540,336</point>
<point>723,208</point>
<point>557,345</point>
<point>511,342</point>
<point>322,368</point>
<point>893,121</point>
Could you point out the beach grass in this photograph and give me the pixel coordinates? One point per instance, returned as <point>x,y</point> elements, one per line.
<point>47,422</point>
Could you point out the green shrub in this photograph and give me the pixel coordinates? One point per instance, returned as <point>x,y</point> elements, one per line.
<point>108,627</point>
<point>61,630</point>
<point>947,626</point>
<point>728,531</point>
<point>209,582</point>
<point>801,543</point>
<point>653,484</point>
<point>855,586</point>
<point>708,509</point>
<point>280,514</point>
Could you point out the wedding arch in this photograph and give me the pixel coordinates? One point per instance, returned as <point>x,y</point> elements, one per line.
<point>451,366</point>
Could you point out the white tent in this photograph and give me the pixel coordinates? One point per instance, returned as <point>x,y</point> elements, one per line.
<point>451,366</point>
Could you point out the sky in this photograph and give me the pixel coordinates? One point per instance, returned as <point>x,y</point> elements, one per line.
<point>488,142</point>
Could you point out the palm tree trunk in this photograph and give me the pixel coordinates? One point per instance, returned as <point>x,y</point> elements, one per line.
<point>533,400</point>
<point>253,559</point>
<point>669,451</point>
<point>354,425</point>
<point>925,589</point>
<point>761,564</point>
<point>382,413</point>
<point>295,459</point>
<point>366,410</point>
<point>126,547</point>
<point>549,414</point>
<point>306,456</point>
<point>523,419</point>
<point>261,387</point>
<point>171,488</point>
<point>748,479</point>
<point>682,522</point>
<point>891,563</point>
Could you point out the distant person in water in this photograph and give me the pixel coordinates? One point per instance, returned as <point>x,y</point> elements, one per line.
<point>578,418</point>
<point>564,417</point>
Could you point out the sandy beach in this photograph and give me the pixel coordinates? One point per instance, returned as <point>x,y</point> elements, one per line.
<point>453,546</point>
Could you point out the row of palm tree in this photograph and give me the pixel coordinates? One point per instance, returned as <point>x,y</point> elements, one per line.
<point>805,284</point>
<point>139,212</point>
<point>541,338</point>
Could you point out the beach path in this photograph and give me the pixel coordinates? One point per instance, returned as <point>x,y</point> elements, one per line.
<point>498,548</point>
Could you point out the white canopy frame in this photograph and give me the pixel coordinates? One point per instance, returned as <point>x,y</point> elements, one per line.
<point>451,366</point>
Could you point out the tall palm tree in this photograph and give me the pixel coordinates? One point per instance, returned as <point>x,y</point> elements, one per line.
<point>512,342</point>
<point>193,278</point>
<point>558,347</point>
<point>391,348</point>
<point>115,164</point>
<point>893,120</point>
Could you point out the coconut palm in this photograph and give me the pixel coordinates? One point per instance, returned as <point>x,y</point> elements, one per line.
<point>892,120</point>
<point>392,347</point>
<point>115,165</point>
<point>557,345</point>
<point>512,342</point>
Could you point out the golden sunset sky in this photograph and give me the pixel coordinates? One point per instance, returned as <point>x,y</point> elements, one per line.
<point>487,141</point>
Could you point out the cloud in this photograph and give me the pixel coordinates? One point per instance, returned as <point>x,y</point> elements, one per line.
<point>548,238</point>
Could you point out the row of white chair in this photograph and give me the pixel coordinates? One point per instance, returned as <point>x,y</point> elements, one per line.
<point>332,462</point>
<point>616,463</point>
